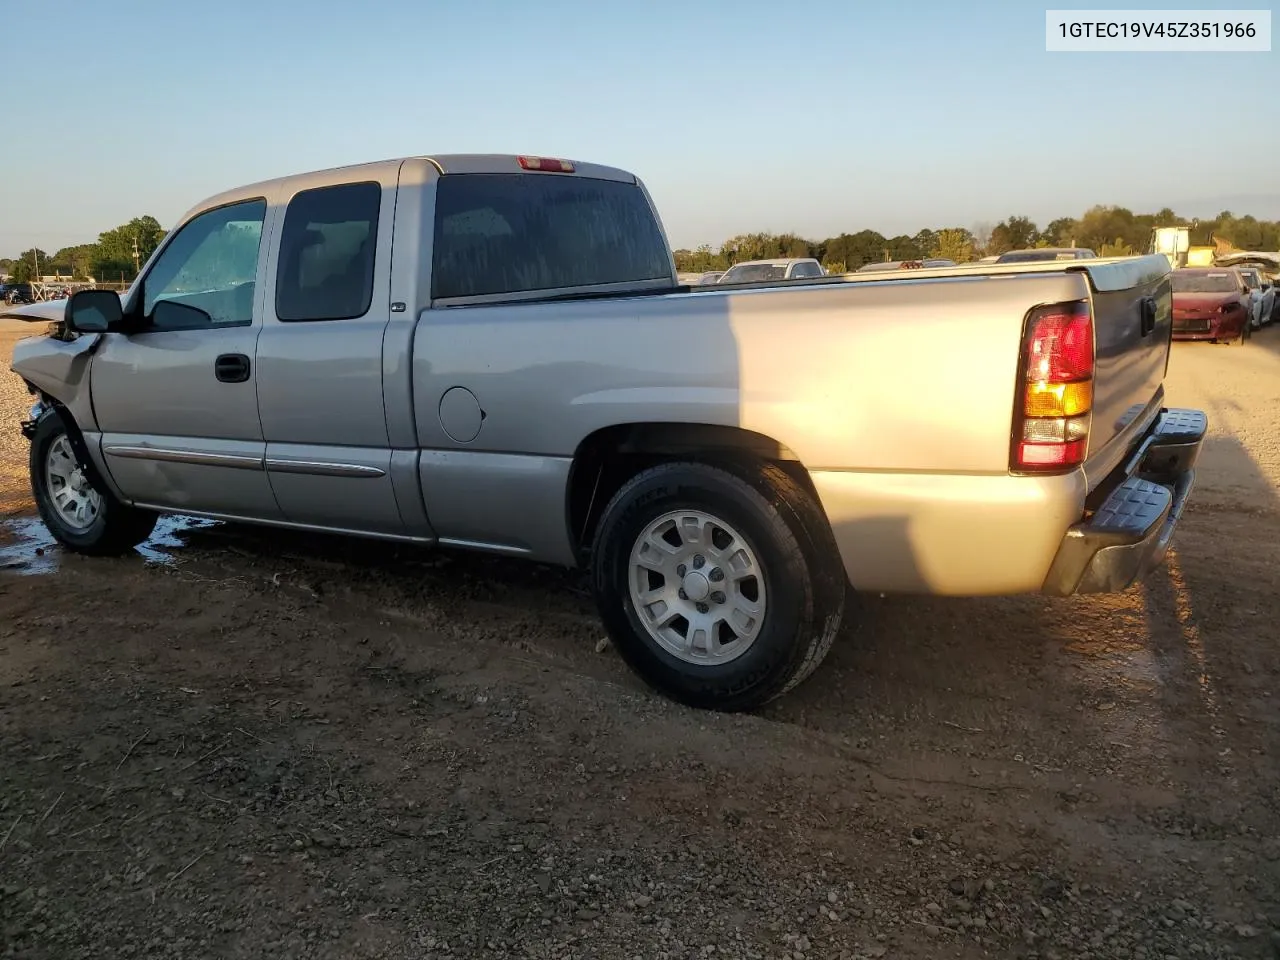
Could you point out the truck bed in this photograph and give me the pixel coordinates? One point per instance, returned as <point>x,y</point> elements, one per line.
<point>855,321</point>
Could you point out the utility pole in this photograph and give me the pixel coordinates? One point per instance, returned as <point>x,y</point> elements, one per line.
<point>35,253</point>
<point>135,255</point>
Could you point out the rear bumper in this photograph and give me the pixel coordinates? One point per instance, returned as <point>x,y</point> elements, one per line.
<point>1127,535</point>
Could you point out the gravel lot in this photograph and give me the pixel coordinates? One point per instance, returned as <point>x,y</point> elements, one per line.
<point>243,744</point>
<point>14,403</point>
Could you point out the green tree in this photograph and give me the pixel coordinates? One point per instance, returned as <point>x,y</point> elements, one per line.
<point>1101,226</point>
<point>25,268</point>
<point>701,260</point>
<point>925,241</point>
<point>1060,232</point>
<point>953,243</point>
<point>902,248</point>
<point>115,247</point>
<point>855,249</point>
<point>1014,233</point>
<point>74,261</point>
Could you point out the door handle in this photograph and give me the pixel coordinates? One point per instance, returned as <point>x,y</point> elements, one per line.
<point>1147,308</point>
<point>231,368</point>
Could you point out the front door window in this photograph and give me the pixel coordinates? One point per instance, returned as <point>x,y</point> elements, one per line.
<point>210,268</point>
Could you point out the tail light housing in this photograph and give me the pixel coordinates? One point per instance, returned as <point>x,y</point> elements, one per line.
<point>1054,406</point>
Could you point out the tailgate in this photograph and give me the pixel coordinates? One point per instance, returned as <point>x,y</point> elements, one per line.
<point>1132,353</point>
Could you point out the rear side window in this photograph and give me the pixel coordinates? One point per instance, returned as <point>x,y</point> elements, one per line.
<point>326,253</point>
<point>511,233</point>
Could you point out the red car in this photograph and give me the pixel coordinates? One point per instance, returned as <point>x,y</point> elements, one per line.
<point>1210,304</point>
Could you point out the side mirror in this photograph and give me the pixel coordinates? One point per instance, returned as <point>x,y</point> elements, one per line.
<point>93,311</point>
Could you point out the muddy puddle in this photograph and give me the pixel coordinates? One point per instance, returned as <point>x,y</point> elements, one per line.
<point>27,547</point>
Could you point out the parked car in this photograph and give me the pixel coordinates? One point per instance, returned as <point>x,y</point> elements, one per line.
<point>492,352</point>
<point>1210,304</point>
<point>1046,254</point>
<point>1267,264</point>
<point>762,271</point>
<point>904,265</point>
<point>712,277</point>
<point>1262,296</point>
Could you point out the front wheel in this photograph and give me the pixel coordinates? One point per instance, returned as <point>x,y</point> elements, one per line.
<point>79,512</point>
<point>720,586</point>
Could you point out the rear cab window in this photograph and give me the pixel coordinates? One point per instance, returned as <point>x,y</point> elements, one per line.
<point>526,232</point>
<point>327,249</point>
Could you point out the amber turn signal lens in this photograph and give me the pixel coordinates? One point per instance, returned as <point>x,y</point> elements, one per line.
<point>1058,399</point>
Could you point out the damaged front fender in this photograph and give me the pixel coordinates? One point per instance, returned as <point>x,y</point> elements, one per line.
<point>37,411</point>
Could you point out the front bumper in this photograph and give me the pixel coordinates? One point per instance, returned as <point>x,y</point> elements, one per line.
<point>1196,328</point>
<point>1127,535</point>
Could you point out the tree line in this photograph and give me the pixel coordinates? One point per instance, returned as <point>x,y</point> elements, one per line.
<point>1108,231</point>
<point>115,257</point>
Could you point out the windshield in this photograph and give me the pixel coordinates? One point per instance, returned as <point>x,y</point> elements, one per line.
<point>1251,278</point>
<point>755,272</point>
<point>1184,281</point>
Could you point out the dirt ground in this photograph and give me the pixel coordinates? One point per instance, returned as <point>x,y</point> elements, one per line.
<point>246,744</point>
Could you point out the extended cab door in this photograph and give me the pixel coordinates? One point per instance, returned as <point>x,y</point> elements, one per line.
<point>320,360</point>
<point>174,391</point>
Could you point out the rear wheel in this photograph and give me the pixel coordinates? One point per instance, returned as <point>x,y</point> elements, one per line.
<point>720,586</point>
<point>80,513</point>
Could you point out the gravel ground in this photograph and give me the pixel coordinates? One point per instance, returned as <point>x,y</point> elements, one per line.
<point>245,744</point>
<point>14,402</point>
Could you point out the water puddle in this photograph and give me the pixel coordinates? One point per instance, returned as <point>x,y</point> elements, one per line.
<point>27,547</point>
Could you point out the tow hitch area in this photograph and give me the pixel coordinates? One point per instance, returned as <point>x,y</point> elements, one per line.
<point>1128,535</point>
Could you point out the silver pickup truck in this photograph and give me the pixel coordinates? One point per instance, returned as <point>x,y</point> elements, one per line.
<point>492,352</point>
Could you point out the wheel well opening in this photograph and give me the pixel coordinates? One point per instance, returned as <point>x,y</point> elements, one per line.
<point>608,458</point>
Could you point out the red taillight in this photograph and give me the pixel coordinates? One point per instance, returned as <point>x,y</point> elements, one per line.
<point>1055,389</point>
<point>1051,454</point>
<point>1060,345</point>
<point>545,164</point>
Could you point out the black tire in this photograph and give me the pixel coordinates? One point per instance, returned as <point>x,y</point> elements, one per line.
<point>116,529</point>
<point>804,580</point>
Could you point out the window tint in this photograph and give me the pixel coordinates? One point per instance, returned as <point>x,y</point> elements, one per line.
<point>326,253</point>
<point>210,265</point>
<point>507,233</point>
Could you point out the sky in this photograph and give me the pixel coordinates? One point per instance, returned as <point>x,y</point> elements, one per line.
<point>739,115</point>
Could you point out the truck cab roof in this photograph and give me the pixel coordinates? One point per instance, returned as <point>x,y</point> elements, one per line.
<point>443,163</point>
